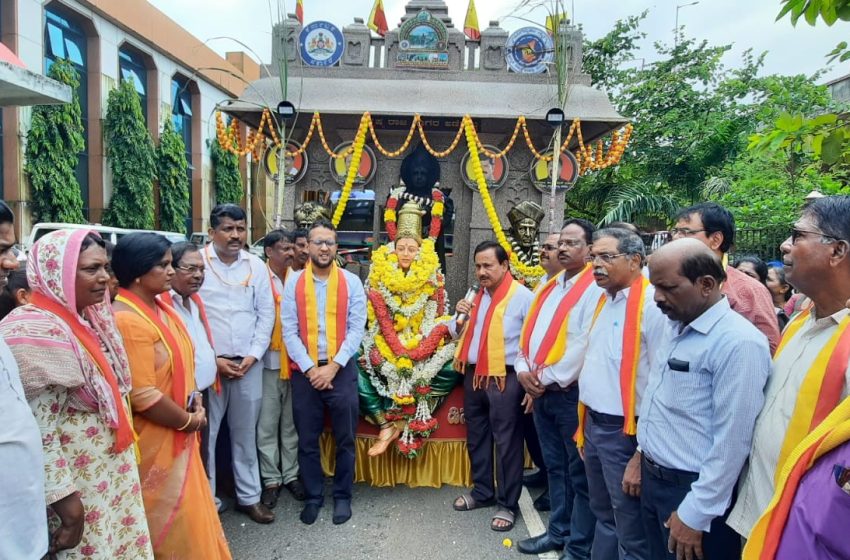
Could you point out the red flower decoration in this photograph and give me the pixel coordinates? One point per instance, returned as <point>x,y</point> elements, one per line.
<point>425,349</point>
<point>408,409</point>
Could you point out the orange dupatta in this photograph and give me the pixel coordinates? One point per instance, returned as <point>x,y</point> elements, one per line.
<point>766,536</point>
<point>336,311</point>
<point>124,435</point>
<point>276,343</point>
<point>491,344</point>
<point>179,383</point>
<point>821,389</point>
<point>202,312</point>
<point>629,361</point>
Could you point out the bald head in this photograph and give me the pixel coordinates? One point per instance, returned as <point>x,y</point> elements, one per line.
<point>687,276</point>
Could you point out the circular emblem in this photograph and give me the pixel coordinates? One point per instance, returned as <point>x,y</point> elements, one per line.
<point>530,50</point>
<point>321,44</point>
<point>567,172</point>
<point>294,167</point>
<point>495,169</point>
<point>339,166</point>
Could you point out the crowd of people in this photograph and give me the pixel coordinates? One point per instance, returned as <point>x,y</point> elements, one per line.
<point>668,416</point>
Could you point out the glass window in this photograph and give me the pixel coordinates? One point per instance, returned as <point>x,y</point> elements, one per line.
<point>63,38</point>
<point>181,115</point>
<point>131,67</point>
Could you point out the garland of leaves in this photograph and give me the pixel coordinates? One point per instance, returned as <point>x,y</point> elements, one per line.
<point>53,143</point>
<point>132,160</point>
<point>173,181</point>
<point>228,179</point>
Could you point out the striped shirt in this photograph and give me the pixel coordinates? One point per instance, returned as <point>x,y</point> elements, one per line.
<point>698,414</point>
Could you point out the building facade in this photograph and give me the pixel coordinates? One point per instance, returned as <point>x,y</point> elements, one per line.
<point>176,75</point>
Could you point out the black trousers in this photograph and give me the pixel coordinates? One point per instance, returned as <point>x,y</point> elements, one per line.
<point>308,408</point>
<point>532,442</point>
<point>493,418</point>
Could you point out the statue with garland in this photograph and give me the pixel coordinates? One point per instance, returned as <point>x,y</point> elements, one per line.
<point>525,219</point>
<point>404,375</point>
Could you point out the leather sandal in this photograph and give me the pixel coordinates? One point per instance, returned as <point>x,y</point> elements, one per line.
<point>503,514</point>
<point>465,502</point>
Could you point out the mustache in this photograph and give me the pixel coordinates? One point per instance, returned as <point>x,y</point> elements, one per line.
<point>600,272</point>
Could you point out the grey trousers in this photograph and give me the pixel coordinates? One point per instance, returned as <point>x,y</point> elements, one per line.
<point>619,526</point>
<point>277,440</point>
<point>240,401</point>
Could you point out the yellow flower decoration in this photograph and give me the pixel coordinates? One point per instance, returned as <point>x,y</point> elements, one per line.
<point>357,153</point>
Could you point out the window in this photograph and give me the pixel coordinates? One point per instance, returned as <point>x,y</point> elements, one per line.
<point>181,115</point>
<point>65,39</point>
<point>131,67</point>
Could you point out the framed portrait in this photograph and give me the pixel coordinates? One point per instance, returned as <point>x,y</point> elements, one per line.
<point>495,169</point>
<point>294,167</point>
<point>567,172</point>
<point>366,171</point>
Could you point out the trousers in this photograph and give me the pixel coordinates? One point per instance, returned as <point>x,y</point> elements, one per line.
<point>277,440</point>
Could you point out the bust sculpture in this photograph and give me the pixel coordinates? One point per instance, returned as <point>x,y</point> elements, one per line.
<point>525,220</point>
<point>307,213</point>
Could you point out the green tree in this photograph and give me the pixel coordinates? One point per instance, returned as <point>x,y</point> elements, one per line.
<point>228,179</point>
<point>173,180</point>
<point>131,155</point>
<point>54,142</point>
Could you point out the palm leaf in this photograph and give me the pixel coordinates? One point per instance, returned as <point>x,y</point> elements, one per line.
<point>627,202</point>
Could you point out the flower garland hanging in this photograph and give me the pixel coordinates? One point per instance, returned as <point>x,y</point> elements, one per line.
<point>356,154</point>
<point>530,275</point>
<point>437,210</point>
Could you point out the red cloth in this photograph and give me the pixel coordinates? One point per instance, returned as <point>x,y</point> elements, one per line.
<point>750,298</point>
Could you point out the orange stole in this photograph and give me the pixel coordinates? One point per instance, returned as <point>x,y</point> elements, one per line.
<point>491,343</point>
<point>336,311</point>
<point>180,377</point>
<point>124,435</point>
<point>629,361</point>
<point>202,312</point>
<point>766,536</point>
<point>276,343</point>
<point>821,389</point>
<point>554,343</point>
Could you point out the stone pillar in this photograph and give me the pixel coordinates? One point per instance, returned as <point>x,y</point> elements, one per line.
<point>493,41</point>
<point>357,42</point>
<point>285,40</point>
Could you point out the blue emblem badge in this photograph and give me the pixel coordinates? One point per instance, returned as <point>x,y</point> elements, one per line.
<point>530,50</point>
<point>321,44</point>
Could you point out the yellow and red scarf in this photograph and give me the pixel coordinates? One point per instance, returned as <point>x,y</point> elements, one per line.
<point>202,313</point>
<point>276,344</point>
<point>336,311</point>
<point>124,434</point>
<point>629,361</point>
<point>554,344</point>
<point>766,536</point>
<point>491,345</point>
<point>821,389</point>
<point>182,381</point>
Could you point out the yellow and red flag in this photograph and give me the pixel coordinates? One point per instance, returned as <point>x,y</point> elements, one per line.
<point>553,22</point>
<point>377,19</point>
<point>470,24</point>
<point>299,11</point>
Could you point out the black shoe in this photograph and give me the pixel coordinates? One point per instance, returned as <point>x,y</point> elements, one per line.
<point>296,489</point>
<point>269,496</point>
<point>309,514</point>
<point>542,502</point>
<point>537,479</point>
<point>342,511</point>
<point>538,545</point>
<point>258,512</point>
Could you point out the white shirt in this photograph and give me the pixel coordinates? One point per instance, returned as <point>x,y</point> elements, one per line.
<point>241,316</point>
<point>515,312</point>
<point>271,359</point>
<point>789,370</point>
<point>205,367</point>
<point>599,382</point>
<point>567,369</point>
<point>23,518</point>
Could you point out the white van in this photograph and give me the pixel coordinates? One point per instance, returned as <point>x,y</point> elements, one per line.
<point>111,234</point>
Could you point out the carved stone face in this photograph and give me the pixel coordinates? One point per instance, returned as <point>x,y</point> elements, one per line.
<point>525,232</point>
<point>419,178</point>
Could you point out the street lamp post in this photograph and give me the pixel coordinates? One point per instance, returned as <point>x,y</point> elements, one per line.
<point>676,29</point>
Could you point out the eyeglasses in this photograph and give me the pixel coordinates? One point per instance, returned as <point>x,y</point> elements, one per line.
<point>797,233</point>
<point>326,242</point>
<point>572,243</point>
<point>191,269</point>
<point>687,232</point>
<point>549,247</point>
<point>604,257</point>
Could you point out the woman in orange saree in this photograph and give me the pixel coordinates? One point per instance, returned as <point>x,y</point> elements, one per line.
<point>182,517</point>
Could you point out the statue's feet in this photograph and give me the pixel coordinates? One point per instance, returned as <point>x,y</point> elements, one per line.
<point>387,435</point>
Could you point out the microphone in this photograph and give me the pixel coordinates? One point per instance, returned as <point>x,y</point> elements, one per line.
<point>461,318</point>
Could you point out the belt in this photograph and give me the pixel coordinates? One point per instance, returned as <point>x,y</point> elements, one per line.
<point>232,358</point>
<point>608,419</point>
<point>469,369</point>
<point>556,388</point>
<point>683,479</point>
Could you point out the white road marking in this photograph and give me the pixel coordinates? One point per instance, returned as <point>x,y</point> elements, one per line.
<point>533,522</point>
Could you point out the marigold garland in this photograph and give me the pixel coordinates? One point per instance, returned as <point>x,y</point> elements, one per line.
<point>356,154</point>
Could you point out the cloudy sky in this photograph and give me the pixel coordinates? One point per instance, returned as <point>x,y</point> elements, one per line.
<point>744,24</point>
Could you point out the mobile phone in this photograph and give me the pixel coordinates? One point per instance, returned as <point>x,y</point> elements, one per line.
<point>191,401</point>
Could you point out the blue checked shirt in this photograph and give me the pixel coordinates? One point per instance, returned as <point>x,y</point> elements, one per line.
<point>701,420</point>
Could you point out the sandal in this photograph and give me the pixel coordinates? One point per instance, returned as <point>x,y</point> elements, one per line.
<point>503,514</point>
<point>465,502</point>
